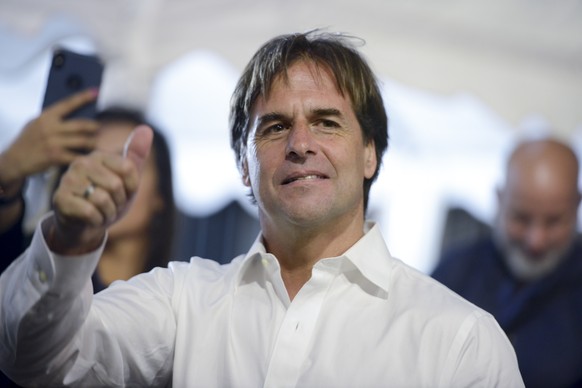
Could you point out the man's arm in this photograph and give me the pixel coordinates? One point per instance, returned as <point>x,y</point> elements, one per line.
<point>55,332</point>
<point>46,295</point>
<point>44,300</point>
<point>481,356</point>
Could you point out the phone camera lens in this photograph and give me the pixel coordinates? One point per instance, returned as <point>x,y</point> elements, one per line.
<point>59,61</point>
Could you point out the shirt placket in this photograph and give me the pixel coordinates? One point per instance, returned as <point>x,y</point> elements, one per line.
<point>295,335</point>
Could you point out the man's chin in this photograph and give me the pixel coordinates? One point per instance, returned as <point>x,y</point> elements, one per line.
<point>529,269</point>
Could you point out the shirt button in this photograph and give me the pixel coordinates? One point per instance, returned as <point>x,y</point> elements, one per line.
<point>42,276</point>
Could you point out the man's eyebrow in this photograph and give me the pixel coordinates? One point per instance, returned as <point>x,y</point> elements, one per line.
<point>269,117</point>
<point>277,116</point>
<point>326,112</point>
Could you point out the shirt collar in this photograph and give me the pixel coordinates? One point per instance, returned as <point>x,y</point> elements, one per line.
<point>256,253</point>
<point>369,256</point>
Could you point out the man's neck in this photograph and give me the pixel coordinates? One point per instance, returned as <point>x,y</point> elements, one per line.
<point>298,249</point>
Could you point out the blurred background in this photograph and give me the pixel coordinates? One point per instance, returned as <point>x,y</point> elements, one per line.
<point>461,81</point>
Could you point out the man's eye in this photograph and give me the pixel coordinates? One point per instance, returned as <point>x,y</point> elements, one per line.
<point>276,128</point>
<point>522,219</point>
<point>272,129</point>
<point>327,124</point>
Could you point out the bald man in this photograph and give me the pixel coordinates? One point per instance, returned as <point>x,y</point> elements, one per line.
<point>528,272</point>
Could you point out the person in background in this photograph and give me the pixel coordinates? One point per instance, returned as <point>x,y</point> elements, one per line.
<point>36,158</point>
<point>318,301</point>
<point>142,239</point>
<point>528,272</point>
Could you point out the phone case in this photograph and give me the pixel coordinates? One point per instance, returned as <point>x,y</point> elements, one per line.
<point>71,72</point>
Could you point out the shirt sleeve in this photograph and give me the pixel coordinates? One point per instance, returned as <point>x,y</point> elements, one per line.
<point>55,332</point>
<point>481,356</point>
<point>43,296</point>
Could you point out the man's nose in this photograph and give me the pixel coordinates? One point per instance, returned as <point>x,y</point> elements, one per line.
<point>537,239</point>
<point>301,142</point>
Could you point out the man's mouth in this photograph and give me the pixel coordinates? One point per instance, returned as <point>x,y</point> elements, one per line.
<point>303,178</point>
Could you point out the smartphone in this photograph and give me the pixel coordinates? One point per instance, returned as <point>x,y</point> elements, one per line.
<point>72,72</point>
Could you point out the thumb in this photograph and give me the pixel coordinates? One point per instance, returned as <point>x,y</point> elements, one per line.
<point>138,145</point>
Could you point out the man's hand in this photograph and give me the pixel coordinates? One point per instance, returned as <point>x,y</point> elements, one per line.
<point>49,140</point>
<point>94,193</point>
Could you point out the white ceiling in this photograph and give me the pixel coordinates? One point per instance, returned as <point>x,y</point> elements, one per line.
<point>459,76</point>
<point>519,57</point>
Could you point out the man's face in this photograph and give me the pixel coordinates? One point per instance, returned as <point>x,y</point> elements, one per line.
<point>536,226</point>
<point>305,159</point>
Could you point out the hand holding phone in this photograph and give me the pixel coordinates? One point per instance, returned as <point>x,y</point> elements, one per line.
<point>51,139</point>
<point>70,73</point>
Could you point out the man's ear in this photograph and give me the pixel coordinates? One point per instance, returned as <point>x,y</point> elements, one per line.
<point>244,169</point>
<point>370,161</point>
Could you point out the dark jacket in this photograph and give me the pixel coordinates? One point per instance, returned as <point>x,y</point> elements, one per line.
<point>543,319</point>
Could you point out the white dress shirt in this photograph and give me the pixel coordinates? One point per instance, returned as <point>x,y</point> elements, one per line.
<point>364,319</point>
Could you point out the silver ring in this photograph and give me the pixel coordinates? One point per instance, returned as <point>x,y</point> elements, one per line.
<point>88,191</point>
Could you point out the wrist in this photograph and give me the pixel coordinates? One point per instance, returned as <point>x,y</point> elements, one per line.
<point>71,241</point>
<point>10,194</point>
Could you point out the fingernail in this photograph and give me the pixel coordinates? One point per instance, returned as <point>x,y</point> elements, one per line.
<point>127,142</point>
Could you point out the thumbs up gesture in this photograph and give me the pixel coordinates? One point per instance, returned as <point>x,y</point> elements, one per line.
<point>95,192</point>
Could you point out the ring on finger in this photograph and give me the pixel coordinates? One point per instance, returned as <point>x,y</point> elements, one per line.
<point>90,189</point>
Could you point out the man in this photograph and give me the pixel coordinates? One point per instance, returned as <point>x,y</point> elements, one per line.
<point>528,274</point>
<point>317,301</point>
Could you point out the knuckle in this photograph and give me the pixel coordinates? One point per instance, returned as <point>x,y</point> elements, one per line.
<point>117,186</point>
<point>127,167</point>
<point>100,199</point>
<point>83,162</point>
